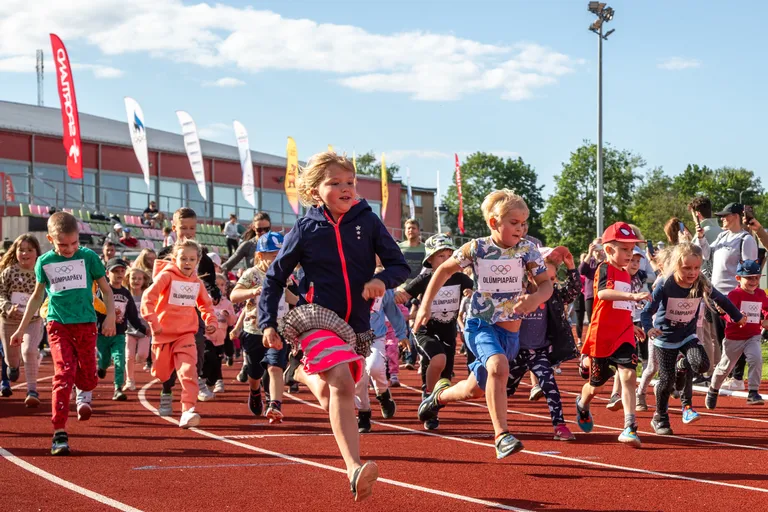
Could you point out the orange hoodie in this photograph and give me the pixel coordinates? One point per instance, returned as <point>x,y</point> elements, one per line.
<point>169,303</point>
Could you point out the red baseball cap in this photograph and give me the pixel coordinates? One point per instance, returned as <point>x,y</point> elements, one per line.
<point>620,232</point>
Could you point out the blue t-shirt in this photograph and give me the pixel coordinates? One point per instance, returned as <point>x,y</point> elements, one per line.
<point>533,329</point>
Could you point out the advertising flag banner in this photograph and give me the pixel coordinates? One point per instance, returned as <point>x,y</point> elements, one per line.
<point>384,188</point>
<point>69,116</point>
<point>7,184</point>
<point>249,191</point>
<point>194,152</point>
<point>439,203</point>
<point>354,161</point>
<point>411,205</point>
<point>138,133</point>
<point>458,189</point>
<point>291,173</point>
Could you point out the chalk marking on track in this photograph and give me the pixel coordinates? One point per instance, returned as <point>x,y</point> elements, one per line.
<point>65,483</point>
<point>397,483</point>
<point>24,384</point>
<point>615,429</point>
<point>671,476</point>
<point>147,468</point>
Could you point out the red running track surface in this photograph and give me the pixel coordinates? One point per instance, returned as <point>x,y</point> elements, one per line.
<point>236,461</point>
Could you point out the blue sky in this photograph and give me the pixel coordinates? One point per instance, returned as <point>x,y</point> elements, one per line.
<point>683,81</point>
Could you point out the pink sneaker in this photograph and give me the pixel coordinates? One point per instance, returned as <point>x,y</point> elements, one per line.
<point>563,434</point>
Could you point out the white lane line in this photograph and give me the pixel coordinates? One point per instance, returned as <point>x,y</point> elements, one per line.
<point>24,384</point>
<point>671,476</point>
<point>268,436</point>
<point>468,499</point>
<point>66,484</point>
<point>615,429</point>
<point>261,464</point>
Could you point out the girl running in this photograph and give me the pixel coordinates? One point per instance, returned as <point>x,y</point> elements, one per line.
<point>136,343</point>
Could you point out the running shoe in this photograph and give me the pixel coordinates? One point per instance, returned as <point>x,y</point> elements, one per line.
<point>733,384</point>
<point>641,404</point>
<point>119,396</point>
<point>563,433</point>
<point>60,444</point>
<point>536,394</point>
<point>661,426</point>
<point>274,414</point>
<point>243,375</point>
<point>363,421</point>
<point>166,404</point>
<point>13,373</point>
<point>294,388</point>
<point>146,368</point>
<point>84,411</point>
<point>290,372</point>
<point>614,404</point>
<point>394,381</point>
<point>711,400</point>
<point>189,419</point>
<point>584,418</point>
<point>432,423</point>
<point>363,479</point>
<point>254,402</point>
<point>429,406</point>
<point>388,406</point>
<point>6,390</point>
<point>228,361</point>
<point>130,385</point>
<point>506,445</point>
<point>219,386</point>
<point>102,373</point>
<point>32,400</point>
<point>690,415</point>
<point>629,436</point>
<point>754,398</point>
<point>558,370</point>
<point>204,394</point>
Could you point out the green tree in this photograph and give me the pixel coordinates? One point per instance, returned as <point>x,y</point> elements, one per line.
<point>656,200</point>
<point>569,218</point>
<point>481,174</point>
<point>368,165</point>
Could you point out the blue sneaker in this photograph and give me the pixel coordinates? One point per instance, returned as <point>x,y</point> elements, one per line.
<point>689,415</point>
<point>584,418</point>
<point>506,445</point>
<point>629,436</point>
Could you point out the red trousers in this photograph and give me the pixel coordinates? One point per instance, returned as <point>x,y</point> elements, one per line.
<point>73,349</point>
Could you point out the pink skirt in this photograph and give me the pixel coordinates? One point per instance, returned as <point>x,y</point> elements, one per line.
<point>324,349</point>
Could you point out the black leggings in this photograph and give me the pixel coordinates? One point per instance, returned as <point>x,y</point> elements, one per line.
<point>232,245</point>
<point>696,361</point>
<point>212,363</point>
<point>580,308</point>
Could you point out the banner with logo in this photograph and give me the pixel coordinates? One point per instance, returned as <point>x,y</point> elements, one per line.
<point>384,188</point>
<point>7,184</point>
<point>194,152</point>
<point>69,116</point>
<point>411,205</point>
<point>291,173</point>
<point>138,135</point>
<point>249,191</point>
<point>458,189</point>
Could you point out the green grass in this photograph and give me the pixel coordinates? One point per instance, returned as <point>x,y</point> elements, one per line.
<point>765,361</point>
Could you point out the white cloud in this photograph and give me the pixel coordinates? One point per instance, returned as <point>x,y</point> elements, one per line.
<point>214,130</point>
<point>225,82</point>
<point>424,65</point>
<point>100,71</point>
<point>679,63</point>
<point>26,64</point>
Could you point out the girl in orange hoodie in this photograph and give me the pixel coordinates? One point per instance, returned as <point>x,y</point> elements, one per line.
<point>168,306</point>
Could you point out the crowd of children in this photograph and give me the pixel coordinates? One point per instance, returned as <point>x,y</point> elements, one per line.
<point>327,306</point>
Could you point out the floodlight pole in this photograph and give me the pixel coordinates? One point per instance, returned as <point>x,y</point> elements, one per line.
<point>600,131</point>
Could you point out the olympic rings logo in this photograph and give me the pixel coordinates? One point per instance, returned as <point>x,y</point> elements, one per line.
<point>186,289</point>
<point>501,269</point>
<point>64,269</point>
<point>685,304</point>
<point>446,293</point>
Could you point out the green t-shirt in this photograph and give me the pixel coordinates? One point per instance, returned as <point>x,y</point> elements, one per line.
<point>414,256</point>
<point>69,284</point>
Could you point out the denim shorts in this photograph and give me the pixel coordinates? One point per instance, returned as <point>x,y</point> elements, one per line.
<point>485,340</point>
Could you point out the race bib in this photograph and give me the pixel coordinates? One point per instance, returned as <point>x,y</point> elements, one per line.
<point>20,299</point>
<point>376,307</point>
<point>682,310</point>
<point>282,308</point>
<point>447,300</point>
<point>67,275</point>
<point>120,308</point>
<point>626,305</point>
<point>752,310</point>
<point>184,293</point>
<point>500,276</point>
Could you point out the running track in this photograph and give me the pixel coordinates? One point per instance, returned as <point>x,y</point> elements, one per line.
<point>128,458</point>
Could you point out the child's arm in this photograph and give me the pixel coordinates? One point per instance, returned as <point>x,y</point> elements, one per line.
<point>646,316</point>
<point>32,306</point>
<point>726,305</point>
<point>242,293</point>
<point>205,306</point>
<point>528,303</point>
<point>238,327</point>
<point>231,316</point>
<point>6,306</point>
<point>108,326</point>
<point>149,301</point>
<point>132,315</point>
<point>572,287</point>
<point>274,284</point>
<point>439,277</point>
<point>394,315</point>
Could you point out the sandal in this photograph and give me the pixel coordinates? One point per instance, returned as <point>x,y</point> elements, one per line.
<point>363,479</point>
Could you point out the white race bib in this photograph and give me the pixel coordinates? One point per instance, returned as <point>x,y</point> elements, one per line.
<point>447,300</point>
<point>282,308</point>
<point>752,310</point>
<point>20,299</point>
<point>682,310</point>
<point>67,275</point>
<point>184,293</point>
<point>621,286</point>
<point>500,276</point>
<point>376,306</point>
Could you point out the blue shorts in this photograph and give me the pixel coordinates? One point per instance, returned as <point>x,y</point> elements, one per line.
<point>258,357</point>
<point>485,340</point>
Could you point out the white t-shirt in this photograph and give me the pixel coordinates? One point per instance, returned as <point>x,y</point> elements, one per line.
<point>726,257</point>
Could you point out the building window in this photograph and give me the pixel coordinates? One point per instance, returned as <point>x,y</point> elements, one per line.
<point>417,200</point>
<point>289,218</point>
<point>170,196</point>
<point>46,185</point>
<point>139,198</point>
<point>19,174</point>
<point>113,196</point>
<point>224,201</point>
<point>81,193</point>
<point>196,201</point>
<point>376,207</point>
<point>272,202</point>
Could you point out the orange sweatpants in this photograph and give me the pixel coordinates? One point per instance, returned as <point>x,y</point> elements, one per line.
<point>179,355</point>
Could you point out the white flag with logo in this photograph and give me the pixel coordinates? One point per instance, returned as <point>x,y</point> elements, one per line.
<point>194,152</point>
<point>245,163</point>
<point>411,206</point>
<point>138,133</point>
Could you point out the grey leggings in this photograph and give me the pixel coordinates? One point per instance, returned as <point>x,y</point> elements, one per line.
<point>696,361</point>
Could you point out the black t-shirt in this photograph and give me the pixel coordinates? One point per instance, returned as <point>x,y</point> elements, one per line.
<point>150,210</point>
<point>445,306</point>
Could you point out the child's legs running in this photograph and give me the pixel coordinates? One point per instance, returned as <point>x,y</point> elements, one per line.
<point>650,370</point>
<point>732,350</point>
<point>627,375</point>
<point>362,399</point>
<point>433,350</point>
<point>117,349</point>
<point>185,362</point>
<point>85,350</point>
<point>12,354</point>
<point>162,366</point>
<point>103,347</point>
<point>754,356</point>
<point>496,391</point>
<point>316,385</point>
<point>130,356</point>
<point>30,352</point>
<point>376,364</point>
<point>275,362</point>
<point>542,368</point>
<point>63,353</point>
<point>667,372</point>
<point>517,369</point>
<point>616,386</point>
<point>462,390</point>
<point>393,357</point>
<point>698,363</point>
<point>341,410</point>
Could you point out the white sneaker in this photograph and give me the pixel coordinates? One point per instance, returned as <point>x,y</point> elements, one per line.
<point>189,419</point>
<point>219,387</point>
<point>558,371</point>
<point>129,385</point>
<point>733,384</point>
<point>204,394</point>
<point>394,381</point>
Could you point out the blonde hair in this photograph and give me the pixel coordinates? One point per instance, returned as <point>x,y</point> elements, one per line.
<point>499,203</point>
<point>137,270</point>
<point>141,260</point>
<point>663,257</point>
<point>702,287</point>
<point>316,171</point>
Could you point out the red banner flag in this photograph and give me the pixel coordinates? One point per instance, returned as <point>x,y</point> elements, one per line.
<point>458,189</point>
<point>69,116</point>
<point>7,184</point>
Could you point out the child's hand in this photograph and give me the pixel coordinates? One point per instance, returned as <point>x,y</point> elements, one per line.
<point>374,288</point>
<point>568,260</point>
<point>764,324</point>
<point>108,327</point>
<point>233,334</point>
<point>639,333</point>
<point>401,297</point>
<point>525,304</point>
<point>468,292</point>
<point>210,329</point>
<point>422,316</point>
<point>16,314</point>
<point>256,292</point>
<point>743,320</point>
<point>641,296</point>
<point>17,338</point>
<point>404,344</point>
<point>654,333</point>
<point>271,339</point>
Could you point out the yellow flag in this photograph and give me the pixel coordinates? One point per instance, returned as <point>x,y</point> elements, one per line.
<point>384,188</point>
<point>354,161</point>
<point>291,173</point>
<point>330,148</point>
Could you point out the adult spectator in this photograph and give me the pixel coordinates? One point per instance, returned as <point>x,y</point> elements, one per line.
<point>261,224</point>
<point>107,251</point>
<point>128,239</point>
<point>595,255</point>
<point>158,220</point>
<point>701,207</point>
<point>412,247</point>
<point>151,209</point>
<point>230,231</point>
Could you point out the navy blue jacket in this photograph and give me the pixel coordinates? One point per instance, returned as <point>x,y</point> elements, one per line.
<point>338,258</point>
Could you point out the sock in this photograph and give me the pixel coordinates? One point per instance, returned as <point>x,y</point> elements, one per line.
<point>276,404</point>
<point>582,407</point>
<point>629,420</point>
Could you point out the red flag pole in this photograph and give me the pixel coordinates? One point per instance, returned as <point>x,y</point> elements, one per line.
<point>458,189</point>
<point>69,116</point>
